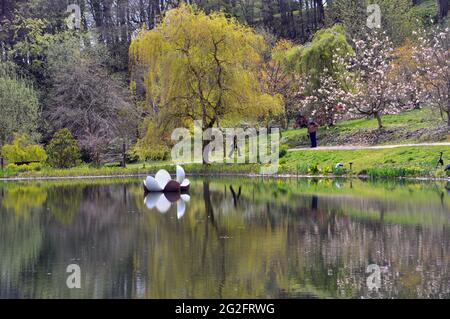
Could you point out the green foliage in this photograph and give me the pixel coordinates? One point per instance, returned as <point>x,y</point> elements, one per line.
<point>22,149</point>
<point>302,169</point>
<point>204,67</point>
<point>63,150</point>
<point>396,19</point>
<point>339,171</point>
<point>283,150</point>
<point>389,172</point>
<point>18,104</point>
<point>37,167</point>
<point>317,57</point>
<point>149,147</point>
<point>424,13</point>
<point>351,13</point>
<point>327,170</point>
<point>399,18</point>
<point>314,169</point>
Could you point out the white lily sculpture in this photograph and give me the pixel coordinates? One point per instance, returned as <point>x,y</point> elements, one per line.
<point>163,183</point>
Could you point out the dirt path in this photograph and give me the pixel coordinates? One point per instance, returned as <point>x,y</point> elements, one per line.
<point>356,147</point>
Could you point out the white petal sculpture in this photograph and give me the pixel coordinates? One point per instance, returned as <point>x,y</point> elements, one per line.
<point>163,182</point>
<point>152,185</point>
<point>185,185</point>
<point>181,175</point>
<point>163,178</point>
<point>181,178</point>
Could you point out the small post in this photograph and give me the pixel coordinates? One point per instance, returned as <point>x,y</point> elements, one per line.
<point>351,165</point>
<point>124,163</point>
<point>2,163</point>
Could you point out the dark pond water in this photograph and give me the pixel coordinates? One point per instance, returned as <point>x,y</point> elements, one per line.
<point>231,238</point>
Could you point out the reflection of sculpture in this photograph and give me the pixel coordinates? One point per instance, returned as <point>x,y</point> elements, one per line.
<point>163,182</point>
<point>163,202</point>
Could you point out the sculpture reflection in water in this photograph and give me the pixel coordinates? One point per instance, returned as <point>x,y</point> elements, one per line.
<point>164,201</point>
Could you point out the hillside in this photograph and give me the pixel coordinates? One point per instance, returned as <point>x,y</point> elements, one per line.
<point>416,126</point>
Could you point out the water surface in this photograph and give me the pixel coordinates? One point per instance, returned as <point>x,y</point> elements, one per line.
<point>233,238</point>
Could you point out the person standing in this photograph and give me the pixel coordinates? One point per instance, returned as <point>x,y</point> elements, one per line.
<point>312,132</point>
<point>234,148</point>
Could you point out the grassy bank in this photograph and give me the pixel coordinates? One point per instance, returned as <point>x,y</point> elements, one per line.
<point>376,163</point>
<point>398,162</point>
<point>416,126</point>
<point>131,170</point>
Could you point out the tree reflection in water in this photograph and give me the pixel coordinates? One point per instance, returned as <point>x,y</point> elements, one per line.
<point>271,238</point>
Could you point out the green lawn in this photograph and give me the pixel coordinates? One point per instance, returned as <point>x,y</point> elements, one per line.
<point>424,125</point>
<point>398,162</point>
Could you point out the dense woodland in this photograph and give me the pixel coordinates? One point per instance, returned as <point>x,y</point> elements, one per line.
<point>114,80</point>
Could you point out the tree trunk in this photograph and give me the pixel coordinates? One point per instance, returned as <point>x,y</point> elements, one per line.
<point>205,143</point>
<point>124,155</point>
<point>443,8</point>
<point>448,120</point>
<point>378,117</point>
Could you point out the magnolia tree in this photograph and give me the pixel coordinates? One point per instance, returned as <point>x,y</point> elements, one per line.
<point>432,55</point>
<point>327,103</point>
<point>373,91</point>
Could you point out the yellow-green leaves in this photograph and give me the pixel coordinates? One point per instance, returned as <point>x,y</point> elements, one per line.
<point>22,149</point>
<point>202,67</point>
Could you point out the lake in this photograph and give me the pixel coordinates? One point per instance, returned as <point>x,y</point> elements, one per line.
<point>229,238</point>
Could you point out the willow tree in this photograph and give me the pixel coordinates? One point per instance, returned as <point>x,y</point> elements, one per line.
<point>318,58</point>
<point>19,104</point>
<point>202,67</point>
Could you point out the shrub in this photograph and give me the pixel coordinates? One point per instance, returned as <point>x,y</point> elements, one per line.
<point>22,149</point>
<point>283,150</point>
<point>153,145</point>
<point>389,172</point>
<point>24,168</point>
<point>63,150</point>
<point>131,157</point>
<point>327,170</point>
<point>339,171</point>
<point>302,169</point>
<point>314,169</point>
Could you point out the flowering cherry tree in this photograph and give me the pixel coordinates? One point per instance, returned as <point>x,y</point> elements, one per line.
<point>373,91</point>
<point>432,55</point>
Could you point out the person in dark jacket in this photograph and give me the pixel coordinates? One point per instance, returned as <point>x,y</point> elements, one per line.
<point>312,132</point>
